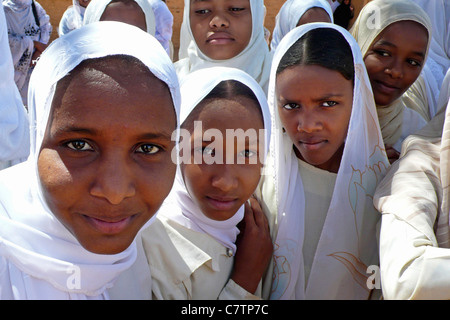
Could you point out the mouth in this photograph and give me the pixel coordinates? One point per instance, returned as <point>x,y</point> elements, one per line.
<point>312,144</point>
<point>219,38</point>
<point>109,226</point>
<point>386,87</point>
<point>221,203</point>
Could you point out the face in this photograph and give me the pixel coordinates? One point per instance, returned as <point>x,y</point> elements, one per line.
<point>314,105</point>
<point>130,13</point>
<point>314,15</point>
<point>220,188</point>
<point>221,28</point>
<point>105,164</point>
<point>84,3</point>
<point>395,60</point>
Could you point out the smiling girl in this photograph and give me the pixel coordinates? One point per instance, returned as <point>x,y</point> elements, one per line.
<point>394,37</point>
<point>325,160</point>
<point>228,33</point>
<point>197,253</point>
<point>104,102</point>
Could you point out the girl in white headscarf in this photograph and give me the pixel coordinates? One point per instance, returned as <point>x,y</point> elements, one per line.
<point>164,25</point>
<point>73,17</point>
<point>97,8</point>
<point>397,119</point>
<point>14,133</point>
<point>44,252</point>
<point>321,214</point>
<point>291,13</point>
<point>255,58</point>
<point>29,31</point>
<point>192,247</point>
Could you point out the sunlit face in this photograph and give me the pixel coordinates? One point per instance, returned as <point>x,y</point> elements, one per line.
<point>314,15</point>
<point>221,28</point>
<point>130,13</point>
<point>395,60</point>
<point>220,188</point>
<point>314,105</point>
<point>105,164</point>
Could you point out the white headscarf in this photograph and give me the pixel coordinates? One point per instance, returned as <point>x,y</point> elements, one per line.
<point>347,244</point>
<point>289,15</point>
<point>179,205</point>
<point>255,59</point>
<point>96,8</point>
<point>376,16</point>
<point>14,133</point>
<point>40,251</point>
<point>72,18</point>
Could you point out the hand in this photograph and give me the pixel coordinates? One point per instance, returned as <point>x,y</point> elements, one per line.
<point>392,154</point>
<point>254,248</point>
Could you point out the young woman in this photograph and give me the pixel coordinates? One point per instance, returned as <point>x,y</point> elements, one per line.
<point>135,12</point>
<point>193,248</point>
<point>73,17</point>
<point>394,38</point>
<point>29,31</point>
<point>294,13</point>
<point>326,158</point>
<point>104,102</point>
<point>224,33</point>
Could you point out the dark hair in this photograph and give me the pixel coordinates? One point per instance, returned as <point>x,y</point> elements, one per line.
<point>325,47</point>
<point>227,89</point>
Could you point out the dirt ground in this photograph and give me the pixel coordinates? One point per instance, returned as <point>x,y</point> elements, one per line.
<point>56,8</point>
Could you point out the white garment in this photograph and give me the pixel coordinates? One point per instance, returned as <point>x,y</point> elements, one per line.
<point>347,245</point>
<point>38,254</point>
<point>255,59</point>
<point>72,18</point>
<point>22,31</point>
<point>179,205</point>
<point>372,20</point>
<point>95,9</point>
<point>164,24</point>
<point>14,133</point>
<point>334,4</point>
<point>290,14</point>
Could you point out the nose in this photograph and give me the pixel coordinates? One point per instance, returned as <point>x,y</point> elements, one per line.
<point>308,122</point>
<point>224,177</point>
<point>114,180</point>
<point>219,21</point>
<point>395,70</point>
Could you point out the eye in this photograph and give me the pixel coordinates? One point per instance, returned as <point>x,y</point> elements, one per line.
<point>208,151</point>
<point>247,153</point>
<point>237,9</point>
<point>290,106</point>
<point>414,63</point>
<point>382,53</point>
<point>329,103</point>
<point>79,145</point>
<point>148,149</point>
<point>202,11</point>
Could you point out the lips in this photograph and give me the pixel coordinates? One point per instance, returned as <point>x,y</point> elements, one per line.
<point>221,203</point>
<point>312,144</point>
<point>219,38</point>
<point>386,87</point>
<point>108,225</point>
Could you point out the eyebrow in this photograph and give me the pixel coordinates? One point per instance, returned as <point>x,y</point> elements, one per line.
<point>390,44</point>
<point>94,132</point>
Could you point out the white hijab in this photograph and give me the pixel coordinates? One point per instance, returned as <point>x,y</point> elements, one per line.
<point>289,15</point>
<point>255,59</point>
<point>376,16</point>
<point>347,244</point>
<point>179,205</point>
<point>40,251</point>
<point>96,8</point>
<point>14,135</point>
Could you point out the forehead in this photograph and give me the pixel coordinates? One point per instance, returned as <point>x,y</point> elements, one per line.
<point>406,31</point>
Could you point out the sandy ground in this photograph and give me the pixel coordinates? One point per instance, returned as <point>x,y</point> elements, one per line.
<point>56,8</point>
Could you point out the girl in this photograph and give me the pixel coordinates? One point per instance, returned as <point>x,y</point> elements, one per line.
<point>192,249</point>
<point>14,137</point>
<point>69,214</point>
<point>224,33</point>
<point>326,157</point>
<point>73,17</point>
<point>135,12</point>
<point>29,31</point>
<point>294,13</point>
<point>394,37</point>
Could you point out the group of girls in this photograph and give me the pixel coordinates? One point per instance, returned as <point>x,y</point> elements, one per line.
<point>134,188</point>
